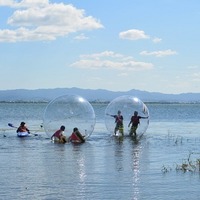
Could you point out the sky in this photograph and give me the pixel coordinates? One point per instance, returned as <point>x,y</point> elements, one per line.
<point>117,45</point>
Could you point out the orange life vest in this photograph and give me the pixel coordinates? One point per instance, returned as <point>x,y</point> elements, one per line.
<point>74,138</point>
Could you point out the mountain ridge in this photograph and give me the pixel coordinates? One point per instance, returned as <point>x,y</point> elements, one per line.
<point>99,95</point>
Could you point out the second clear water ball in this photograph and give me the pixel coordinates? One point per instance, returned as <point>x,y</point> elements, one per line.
<point>127,105</point>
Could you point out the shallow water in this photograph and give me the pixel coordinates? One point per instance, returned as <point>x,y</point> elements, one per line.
<point>103,167</point>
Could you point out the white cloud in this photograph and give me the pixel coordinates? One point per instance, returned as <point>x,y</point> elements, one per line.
<point>133,34</point>
<point>7,3</point>
<point>81,37</point>
<point>40,20</point>
<point>31,3</point>
<point>111,60</point>
<point>123,74</point>
<point>103,54</point>
<point>23,3</point>
<point>168,52</point>
<point>193,67</point>
<point>157,40</point>
<point>196,77</point>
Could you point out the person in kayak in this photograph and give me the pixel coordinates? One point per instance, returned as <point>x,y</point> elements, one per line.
<point>22,128</point>
<point>76,136</point>
<point>119,123</point>
<point>134,122</point>
<point>59,136</point>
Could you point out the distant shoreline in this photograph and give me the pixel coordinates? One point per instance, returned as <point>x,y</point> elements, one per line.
<point>101,102</point>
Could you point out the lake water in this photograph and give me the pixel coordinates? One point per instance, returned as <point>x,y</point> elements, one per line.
<point>102,168</point>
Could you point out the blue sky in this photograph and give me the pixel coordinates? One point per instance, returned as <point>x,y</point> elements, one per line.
<point>149,45</point>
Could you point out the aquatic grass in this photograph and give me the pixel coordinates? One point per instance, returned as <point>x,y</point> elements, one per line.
<point>4,135</point>
<point>176,140</point>
<point>166,169</point>
<point>188,165</point>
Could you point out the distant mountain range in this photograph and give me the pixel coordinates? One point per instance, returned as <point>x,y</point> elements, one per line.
<point>98,95</point>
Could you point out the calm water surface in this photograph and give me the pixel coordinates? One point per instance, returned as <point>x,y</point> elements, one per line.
<point>103,167</point>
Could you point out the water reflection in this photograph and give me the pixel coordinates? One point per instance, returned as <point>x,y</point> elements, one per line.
<point>128,153</point>
<point>136,170</point>
<point>119,151</point>
<point>79,158</point>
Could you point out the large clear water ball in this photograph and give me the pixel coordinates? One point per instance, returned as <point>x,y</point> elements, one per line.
<point>127,105</point>
<point>70,111</point>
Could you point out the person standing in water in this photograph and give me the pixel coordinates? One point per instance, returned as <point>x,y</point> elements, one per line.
<point>119,123</point>
<point>134,122</point>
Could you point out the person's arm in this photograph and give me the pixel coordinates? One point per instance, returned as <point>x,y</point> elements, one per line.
<point>145,117</point>
<point>27,130</point>
<point>52,136</point>
<point>80,136</point>
<point>111,115</point>
<point>130,121</point>
<point>69,139</point>
<point>62,134</point>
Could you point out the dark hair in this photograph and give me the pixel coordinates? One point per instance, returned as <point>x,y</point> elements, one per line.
<point>62,128</point>
<point>75,129</point>
<point>22,123</point>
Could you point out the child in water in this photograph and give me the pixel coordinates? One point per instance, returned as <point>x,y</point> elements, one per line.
<point>76,136</point>
<point>135,121</point>
<point>58,135</point>
<point>119,123</point>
